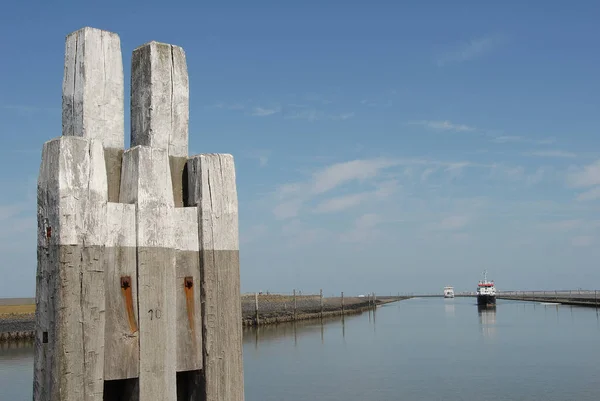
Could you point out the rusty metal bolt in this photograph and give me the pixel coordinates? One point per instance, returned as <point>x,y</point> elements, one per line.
<point>125,282</point>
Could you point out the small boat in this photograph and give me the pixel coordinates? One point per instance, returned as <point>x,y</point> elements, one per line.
<point>448,292</point>
<point>486,292</point>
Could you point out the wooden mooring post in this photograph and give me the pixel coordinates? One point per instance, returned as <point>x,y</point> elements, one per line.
<point>138,284</point>
<point>342,302</point>
<point>295,305</point>
<point>321,301</point>
<point>256,321</point>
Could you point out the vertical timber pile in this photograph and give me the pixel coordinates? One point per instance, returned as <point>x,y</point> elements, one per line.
<point>138,294</point>
<point>212,188</point>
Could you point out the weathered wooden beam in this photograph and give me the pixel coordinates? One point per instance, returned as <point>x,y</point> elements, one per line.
<point>72,199</point>
<point>160,105</point>
<point>92,95</point>
<point>121,360</point>
<point>188,289</point>
<point>212,187</point>
<point>146,181</point>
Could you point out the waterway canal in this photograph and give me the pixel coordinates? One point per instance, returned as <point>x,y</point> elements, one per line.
<point>418,349</point>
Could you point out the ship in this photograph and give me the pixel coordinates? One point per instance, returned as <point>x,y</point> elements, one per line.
<point>448,292</point>
<point>486,292</point>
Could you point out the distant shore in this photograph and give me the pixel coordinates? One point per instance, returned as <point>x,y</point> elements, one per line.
<point>17,320</point>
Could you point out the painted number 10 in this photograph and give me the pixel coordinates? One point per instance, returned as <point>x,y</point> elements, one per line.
<point>154,314</point>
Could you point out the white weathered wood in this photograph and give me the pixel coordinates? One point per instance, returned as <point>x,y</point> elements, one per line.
<point>93,87</point>
<point>146,181</point>
<point>189,316</point>
<point>212,187</point>
<point>160,98</point>
<point>72,197</point>
<point>121,359</point>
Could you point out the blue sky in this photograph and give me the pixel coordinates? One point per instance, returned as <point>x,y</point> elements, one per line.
<point>380,146</point>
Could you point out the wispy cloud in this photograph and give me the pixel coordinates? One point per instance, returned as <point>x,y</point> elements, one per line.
<point>311,114</point>
<point>469,50</point>
<point>340,173</point>
<point>521,139</point>
<point>590,195</point>
<point>292,196</point>
<point>341,203</point>
<point>443,125</point>
<point>587,176</point>
<point>551,153</point>
<point>450,223</point>
<point>230,106</point>
<point>261,155</point>
<point>582,241</point>
<point>364,229</point>
<point>264,111</point>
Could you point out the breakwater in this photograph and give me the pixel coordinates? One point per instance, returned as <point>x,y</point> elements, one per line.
<point>272,309</point>
<point>587,298</point>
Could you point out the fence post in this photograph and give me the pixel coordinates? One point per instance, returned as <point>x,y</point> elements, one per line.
<point>596,298</point>
<point>321,301</point>
<point>374,300</point>
<point>342,302</point>
<point>294,304</point>
<point>256,307</point>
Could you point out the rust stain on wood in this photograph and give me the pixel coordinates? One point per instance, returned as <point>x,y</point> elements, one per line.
<point>126,290</point>
<point>188,287</point>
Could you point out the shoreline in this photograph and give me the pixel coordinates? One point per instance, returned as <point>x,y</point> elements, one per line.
<point>284,316</point>
<point>562,301</point>
<point>21,326</point>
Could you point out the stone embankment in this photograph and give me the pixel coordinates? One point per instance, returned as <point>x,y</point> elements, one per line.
<point>574,297</point>
<point>17,326</point>
<point>272,309</point>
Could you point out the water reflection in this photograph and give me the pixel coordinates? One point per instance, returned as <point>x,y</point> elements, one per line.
<point>297,329</point>
<point>449,308</point>
<point>487,320</point>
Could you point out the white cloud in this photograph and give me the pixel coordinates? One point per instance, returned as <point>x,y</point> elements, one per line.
<point>563,225</point>
<point>451,223</point>
<point>299,235</point>
<point>582,241</point>
<point>288,209</point>
<point>590,195</point>
<point>341,173</point>
<point>426,173</point>
<point>292,196</point>
<point>343,116</point>
<point>551,153</point>
<point>443,126</point>
<point>311,114</point>
<point>521,139</point>
<point>265,112</point>
<point>364,229</point>
<point>587,177</point>
<point>230,106</point>
<point>469,50</point>
<point>341,203</point>
<point>261,155</point>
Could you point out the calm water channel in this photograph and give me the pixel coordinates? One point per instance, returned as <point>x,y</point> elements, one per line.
<point>419,349</point>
